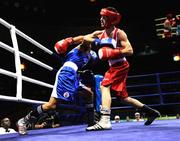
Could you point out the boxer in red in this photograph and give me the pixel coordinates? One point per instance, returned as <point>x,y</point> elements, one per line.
<point>115,46</point>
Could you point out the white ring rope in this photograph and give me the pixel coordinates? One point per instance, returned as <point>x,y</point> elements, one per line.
<point>9,26</point>
<point>4,46</point>
<point>18,74</point>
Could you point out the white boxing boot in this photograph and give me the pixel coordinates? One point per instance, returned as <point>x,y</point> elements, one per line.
<point>104,123</point>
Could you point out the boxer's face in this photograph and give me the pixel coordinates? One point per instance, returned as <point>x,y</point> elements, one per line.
<point>104,21</point>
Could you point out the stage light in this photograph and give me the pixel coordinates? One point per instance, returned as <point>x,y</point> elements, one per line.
<point>176,57</point>
<point>92,0</point>
<point>23,66</point>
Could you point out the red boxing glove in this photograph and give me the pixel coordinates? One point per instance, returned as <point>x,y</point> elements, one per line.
<point>61,46</point>
<point>107,53</point>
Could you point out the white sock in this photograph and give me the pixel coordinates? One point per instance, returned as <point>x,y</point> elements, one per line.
<point>105,117</point>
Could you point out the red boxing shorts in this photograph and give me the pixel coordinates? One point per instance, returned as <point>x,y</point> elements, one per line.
<point>116,77</point>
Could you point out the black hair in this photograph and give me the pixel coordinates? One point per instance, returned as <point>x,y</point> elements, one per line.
<point>169,16</point>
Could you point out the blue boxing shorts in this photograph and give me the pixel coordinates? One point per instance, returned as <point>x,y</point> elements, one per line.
<point>66,83</point>
<point>98,101</point>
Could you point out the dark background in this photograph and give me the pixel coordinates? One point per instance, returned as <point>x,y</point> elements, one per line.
<point>49,21</point>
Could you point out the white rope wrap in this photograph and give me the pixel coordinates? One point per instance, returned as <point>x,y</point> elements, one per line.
<point>18,74</point>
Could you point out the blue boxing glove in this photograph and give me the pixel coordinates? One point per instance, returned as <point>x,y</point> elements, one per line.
<point>108,42</point>
<point>97,42</point>
<point>94,57</point>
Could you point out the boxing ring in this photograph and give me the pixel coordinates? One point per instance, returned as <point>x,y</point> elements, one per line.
<point>161,130</point>
<point>142,87</point>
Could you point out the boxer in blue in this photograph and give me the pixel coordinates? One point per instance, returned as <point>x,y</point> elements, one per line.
<point>66,82</point>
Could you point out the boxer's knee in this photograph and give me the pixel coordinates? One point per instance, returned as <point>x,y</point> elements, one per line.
<point>49,106</point>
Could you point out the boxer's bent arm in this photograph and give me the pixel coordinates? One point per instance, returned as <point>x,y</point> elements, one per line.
<point>126,48</point>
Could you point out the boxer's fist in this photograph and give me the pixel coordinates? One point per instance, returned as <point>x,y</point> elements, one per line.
<point>106,53</point>
<point>108,42</point>
<point>93,55</point>
<point>61,46</point>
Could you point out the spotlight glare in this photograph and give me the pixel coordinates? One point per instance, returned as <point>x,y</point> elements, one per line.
<point>23,66</point>
<point>176,57</point>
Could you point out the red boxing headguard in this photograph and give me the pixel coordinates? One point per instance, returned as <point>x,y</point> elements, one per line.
<point>114,17</point>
